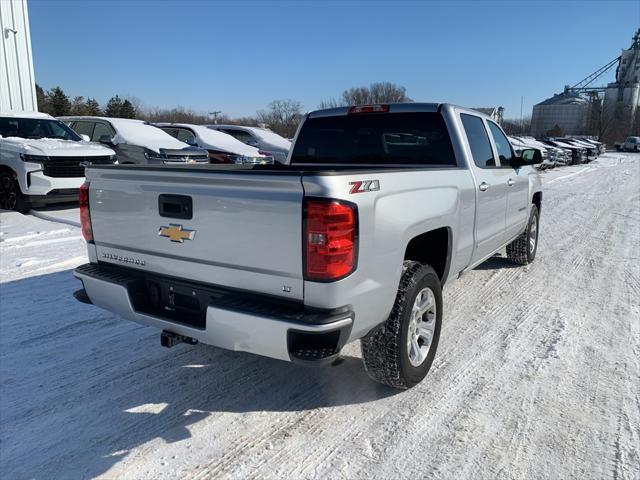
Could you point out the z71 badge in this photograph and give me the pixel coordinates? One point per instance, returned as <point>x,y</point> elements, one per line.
<point>364,186</point>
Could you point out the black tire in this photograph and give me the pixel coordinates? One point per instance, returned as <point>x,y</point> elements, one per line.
<point>384,349</point>
<point>11,197</point>
<point>520,250</point>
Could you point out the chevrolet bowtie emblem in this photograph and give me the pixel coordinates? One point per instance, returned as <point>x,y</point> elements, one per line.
<point>176,233</point>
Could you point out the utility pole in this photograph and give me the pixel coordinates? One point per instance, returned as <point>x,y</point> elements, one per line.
<point>215,116</point>
<point>521,120</point>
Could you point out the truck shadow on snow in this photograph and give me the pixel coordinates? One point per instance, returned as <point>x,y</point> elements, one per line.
<point>126,389</point>
<point>497,262</point>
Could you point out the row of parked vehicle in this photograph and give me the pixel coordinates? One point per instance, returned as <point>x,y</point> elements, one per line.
<point>43,159</point>
<point>561,151</point>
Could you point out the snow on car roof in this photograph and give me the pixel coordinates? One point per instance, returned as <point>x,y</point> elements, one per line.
<point>272,137</point>
<point>215,139</point>
<point>266,135</point>
<point>137,132</point>
<point>25,114</point>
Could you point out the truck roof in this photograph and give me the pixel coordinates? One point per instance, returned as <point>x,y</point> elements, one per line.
<point>24,114</point>
<point>397,108</point>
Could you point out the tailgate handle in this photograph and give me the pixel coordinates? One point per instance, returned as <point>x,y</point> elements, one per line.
<point>175,206</point>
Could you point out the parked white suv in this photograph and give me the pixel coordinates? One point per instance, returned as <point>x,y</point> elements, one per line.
<point>42,160</point>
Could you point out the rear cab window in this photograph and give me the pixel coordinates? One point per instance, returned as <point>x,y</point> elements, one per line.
<point>408,138</point>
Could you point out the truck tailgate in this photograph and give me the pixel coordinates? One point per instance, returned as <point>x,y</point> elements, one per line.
<point>245,231</point>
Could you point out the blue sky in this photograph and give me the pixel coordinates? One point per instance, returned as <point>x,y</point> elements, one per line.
<point>238,56</point>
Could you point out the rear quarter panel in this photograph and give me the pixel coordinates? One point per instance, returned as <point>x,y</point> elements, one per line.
<point>408,204</point>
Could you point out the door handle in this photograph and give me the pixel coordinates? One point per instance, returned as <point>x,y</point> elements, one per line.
<point>510,182</point>
<point>483,186</point>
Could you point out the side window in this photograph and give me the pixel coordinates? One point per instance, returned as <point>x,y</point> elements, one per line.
<point>185,136</point>
<point>171,131</point>
<point>244,137</point>
<point>478,141</point>
<point>100,130</point>
<point>83,128</point>
<point>505,152</point>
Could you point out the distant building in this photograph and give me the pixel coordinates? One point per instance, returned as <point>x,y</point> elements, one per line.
<point>17,82</point>
<point>580,109</point>
<point>625,91</point>
<point>569,112</point>
<point>494,112</point>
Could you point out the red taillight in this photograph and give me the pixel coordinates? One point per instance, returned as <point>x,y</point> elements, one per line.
<point>330,239</point>
<point>369,109</point>
<point>85,218</point>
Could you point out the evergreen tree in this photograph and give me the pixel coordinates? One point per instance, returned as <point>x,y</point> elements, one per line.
<point>93,107</point>
<point>59,103</point>
<point>114,107</point>
<point>41,98</point>
<point>127,110</point>
<point>78,106</point>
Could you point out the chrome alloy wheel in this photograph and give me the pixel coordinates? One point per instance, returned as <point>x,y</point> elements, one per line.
<point>422,325</point>
<point>533,234</point>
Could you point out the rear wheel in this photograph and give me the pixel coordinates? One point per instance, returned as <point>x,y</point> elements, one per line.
<point>11,197</point>
<point>523,249</point>
<point>399,353</point>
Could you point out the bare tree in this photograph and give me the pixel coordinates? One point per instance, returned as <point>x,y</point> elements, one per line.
<point>174,115</point>
<point>380,92</point>
<point>512,126</point>
<point>283,117</point>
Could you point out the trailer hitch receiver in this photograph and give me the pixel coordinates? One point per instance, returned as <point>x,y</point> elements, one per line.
<point>170,339</point>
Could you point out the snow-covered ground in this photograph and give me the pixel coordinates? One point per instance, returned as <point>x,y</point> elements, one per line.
<point>537,374</point>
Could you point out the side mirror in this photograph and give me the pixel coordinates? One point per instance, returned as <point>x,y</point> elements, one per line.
<point>106,139</point>
<point>528,156</point>
<point>192,142</point>
<point>85,137</point>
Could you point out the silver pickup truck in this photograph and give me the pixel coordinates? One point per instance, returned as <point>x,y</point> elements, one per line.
<point>378,207</point>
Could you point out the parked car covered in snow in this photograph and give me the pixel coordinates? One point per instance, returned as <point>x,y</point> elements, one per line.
<point>136,141</point>
<point>222,147</point>
<point>591,150</point>
<point>558,156</point>
<point>578,154</point>
<point>602,148</point>
<point>42,160</point>
<point>519,145</point>
<point>268,142</point>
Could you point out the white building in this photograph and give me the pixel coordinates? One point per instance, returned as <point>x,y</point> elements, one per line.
<point>17,82</point>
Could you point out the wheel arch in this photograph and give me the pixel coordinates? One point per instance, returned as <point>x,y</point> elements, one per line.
<point>537,201</point>
<point>433,248</point>
<point>7,169</point>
